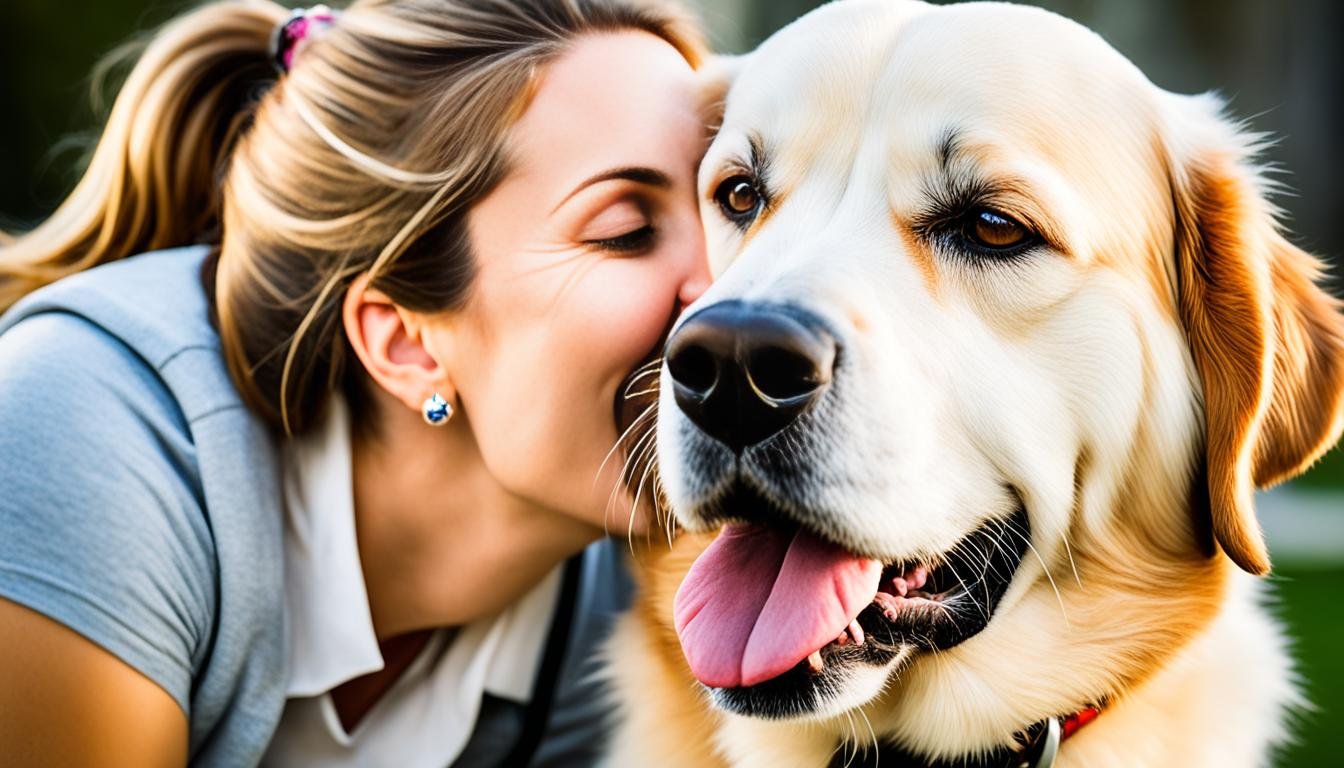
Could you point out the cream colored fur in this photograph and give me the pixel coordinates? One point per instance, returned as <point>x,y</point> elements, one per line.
<point>1164,350</point>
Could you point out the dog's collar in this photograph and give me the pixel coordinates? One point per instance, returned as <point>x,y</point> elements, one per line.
<point>1038,744</point>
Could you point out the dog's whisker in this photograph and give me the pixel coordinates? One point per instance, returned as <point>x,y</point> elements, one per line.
<point>638,453</point>
<point>647,367</point>
<point>981,581</point>
<point>997,541</point>
<point>873,735</point>
<point>664,509</point>
<point>652,479</point>
<point>643,372</point>
<point>623,476</point>
<point>965,588</point>
<point>1068,550</point>
<point>639,488</point>
<point>843,748</point>
<point>656,362</point>
<point>627,471</point>
<point>928,643</point>
<point>633,467</point>
<point>641,393</point>
<point>635,424</point>
<point>853,740</point>
<point>634,507</point>
<point>1049,577</point>
<point>650,388</point>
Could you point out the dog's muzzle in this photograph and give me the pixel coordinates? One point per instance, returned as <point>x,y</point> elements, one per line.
<point>742,372</point>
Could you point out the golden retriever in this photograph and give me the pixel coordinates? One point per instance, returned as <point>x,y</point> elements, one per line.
<point>1003,339</point>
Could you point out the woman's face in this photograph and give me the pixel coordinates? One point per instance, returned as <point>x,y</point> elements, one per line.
<point>586,252</point>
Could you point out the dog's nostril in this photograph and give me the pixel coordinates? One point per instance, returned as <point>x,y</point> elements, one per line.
<point>742,372</point>
<point>780,373</point>
<point>694,367</point>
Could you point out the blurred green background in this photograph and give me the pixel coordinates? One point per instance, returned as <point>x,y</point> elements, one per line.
<point>1280,63</point>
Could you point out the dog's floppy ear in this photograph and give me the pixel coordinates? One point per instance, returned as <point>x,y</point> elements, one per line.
<point>1267,342</point>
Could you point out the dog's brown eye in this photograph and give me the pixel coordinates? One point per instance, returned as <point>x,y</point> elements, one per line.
<point>738,198</point>
<point>993,230</point>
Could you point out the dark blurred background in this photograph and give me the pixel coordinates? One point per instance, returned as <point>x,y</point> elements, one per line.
<point>1279,63</point>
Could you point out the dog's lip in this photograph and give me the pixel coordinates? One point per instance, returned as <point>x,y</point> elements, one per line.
<point>723,507</point>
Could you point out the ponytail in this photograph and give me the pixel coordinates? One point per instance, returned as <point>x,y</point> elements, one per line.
<point>153,181</point>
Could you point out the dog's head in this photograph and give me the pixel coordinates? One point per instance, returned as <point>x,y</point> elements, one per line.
<point>1003,337</point>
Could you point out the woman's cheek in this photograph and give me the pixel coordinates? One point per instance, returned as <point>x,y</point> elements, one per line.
<point>548,402</point>
<point>626,322</point>
<point>634,313</point>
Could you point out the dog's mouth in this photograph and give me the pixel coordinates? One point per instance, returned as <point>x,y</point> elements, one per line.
<point>773,616</point>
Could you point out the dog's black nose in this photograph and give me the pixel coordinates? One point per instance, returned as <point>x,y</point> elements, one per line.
<point>743,372</point>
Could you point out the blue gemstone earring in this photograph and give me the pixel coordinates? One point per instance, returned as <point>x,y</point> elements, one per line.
<point>436,410</point>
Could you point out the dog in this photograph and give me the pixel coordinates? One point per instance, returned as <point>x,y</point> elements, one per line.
<point>963,441</point>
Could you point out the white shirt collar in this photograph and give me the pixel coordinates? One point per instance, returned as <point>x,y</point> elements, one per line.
<point>331,633</point>
<point>331,637</point>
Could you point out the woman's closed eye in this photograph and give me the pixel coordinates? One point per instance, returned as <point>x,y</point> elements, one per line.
<point>623,227</point>
<point>634,241</point>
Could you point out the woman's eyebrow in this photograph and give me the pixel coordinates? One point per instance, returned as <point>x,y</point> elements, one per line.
<point>640,175</point>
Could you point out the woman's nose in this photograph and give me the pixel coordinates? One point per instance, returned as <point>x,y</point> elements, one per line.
<point>698,276</point>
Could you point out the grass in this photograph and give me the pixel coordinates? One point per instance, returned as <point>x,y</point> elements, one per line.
<point>1328,473</point>
<point>1309,605</point>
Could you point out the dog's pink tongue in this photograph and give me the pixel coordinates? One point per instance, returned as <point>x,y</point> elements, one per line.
<point>758,601</point>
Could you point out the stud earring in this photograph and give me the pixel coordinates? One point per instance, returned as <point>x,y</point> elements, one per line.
<point>436,410</point>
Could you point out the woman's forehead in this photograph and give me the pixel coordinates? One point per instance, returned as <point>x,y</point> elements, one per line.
<point>612,100</point>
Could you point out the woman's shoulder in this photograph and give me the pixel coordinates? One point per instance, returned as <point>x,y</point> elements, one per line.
<point>101,521</point>
<point>70,384</point>
<point>150,309</point>
<point>140,498</point>
<point>154,302</point>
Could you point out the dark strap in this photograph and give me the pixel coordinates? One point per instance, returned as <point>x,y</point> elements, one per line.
<point>892,756</point>
<point>548,675</point>
<point>1038,745</point>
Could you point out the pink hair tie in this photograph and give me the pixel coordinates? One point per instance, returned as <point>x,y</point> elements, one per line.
<point>290,35</point>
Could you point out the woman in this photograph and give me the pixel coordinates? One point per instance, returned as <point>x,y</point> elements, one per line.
<point>249,489</point>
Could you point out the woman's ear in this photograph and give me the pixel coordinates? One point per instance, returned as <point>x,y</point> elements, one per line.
<point>389,341</point>
<point>1267,341</point>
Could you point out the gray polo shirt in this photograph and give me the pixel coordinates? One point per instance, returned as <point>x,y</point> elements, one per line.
<point>140,505</point>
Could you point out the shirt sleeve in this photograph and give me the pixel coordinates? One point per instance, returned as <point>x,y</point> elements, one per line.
<point>101,519</point>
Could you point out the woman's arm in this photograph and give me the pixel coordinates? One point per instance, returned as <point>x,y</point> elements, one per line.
<point>66,701</point>
<point>106,558</point>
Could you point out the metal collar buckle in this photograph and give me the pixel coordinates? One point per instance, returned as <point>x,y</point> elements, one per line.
<point>1041,750</point>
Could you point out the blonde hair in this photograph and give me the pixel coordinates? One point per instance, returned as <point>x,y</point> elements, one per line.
<point>363,159</point>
